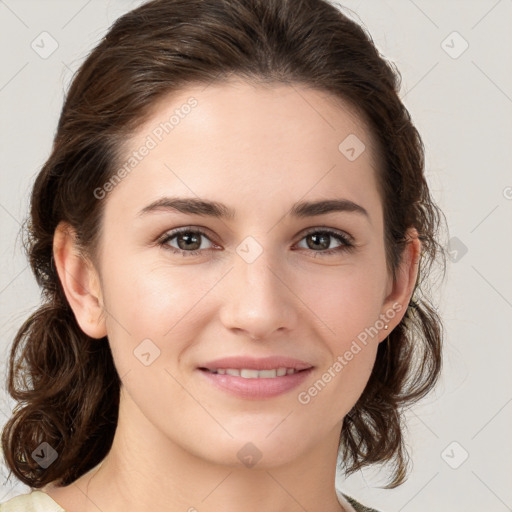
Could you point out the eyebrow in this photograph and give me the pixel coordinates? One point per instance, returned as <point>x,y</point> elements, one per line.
<point>300,210</point>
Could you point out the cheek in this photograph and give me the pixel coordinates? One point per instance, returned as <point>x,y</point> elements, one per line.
<point>156,302</point>
<point>347,307</point>
<point>345,299</point>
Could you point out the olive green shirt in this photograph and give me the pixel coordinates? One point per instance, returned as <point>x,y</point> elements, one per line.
<point>358,506</point>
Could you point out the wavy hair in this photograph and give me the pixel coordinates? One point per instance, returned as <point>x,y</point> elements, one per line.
<point>65,383</point>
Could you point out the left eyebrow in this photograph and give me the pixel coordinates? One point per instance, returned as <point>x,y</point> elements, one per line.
<point>302,209</point>
<point>190,205</point>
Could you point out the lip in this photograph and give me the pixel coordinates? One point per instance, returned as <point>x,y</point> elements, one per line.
<point>260,388</point>
<point>252,363</point>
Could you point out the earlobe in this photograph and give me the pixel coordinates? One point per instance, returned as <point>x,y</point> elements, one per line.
<point>402,288</point>
<point>80,282</point>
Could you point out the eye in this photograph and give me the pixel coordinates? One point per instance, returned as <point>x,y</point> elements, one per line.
<point>320,239</point>
<point>188,241</point>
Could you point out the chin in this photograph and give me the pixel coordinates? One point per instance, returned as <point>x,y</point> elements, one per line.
<point>258,450</point>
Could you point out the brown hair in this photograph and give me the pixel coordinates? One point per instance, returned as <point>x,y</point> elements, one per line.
<point>66,382</point>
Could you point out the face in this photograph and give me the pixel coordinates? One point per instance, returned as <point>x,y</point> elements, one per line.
<point>183,289</point>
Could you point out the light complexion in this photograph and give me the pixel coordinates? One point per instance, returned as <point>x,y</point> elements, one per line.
<point>259,151</point>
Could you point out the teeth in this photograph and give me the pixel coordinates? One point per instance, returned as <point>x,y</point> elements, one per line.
<point>255,374</point>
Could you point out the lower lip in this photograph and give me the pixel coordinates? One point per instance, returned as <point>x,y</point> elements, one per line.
<point>256,388</point>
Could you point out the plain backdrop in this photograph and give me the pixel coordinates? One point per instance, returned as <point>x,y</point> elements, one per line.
<point>455,60</point>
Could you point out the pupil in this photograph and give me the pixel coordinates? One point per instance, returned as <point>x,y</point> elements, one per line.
<point>324,237</point>
<point>188,237</point>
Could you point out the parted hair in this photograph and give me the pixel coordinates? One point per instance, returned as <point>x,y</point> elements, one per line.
<point>64,382</point>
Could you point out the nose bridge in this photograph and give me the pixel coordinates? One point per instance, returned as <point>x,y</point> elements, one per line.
<point>259,301</point>
<point>259,276</point>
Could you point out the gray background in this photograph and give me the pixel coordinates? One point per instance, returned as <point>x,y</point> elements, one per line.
<point>461,102</point>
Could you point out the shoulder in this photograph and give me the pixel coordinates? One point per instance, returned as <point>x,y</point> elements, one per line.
<point>35,501</point>
<point>358,507</point>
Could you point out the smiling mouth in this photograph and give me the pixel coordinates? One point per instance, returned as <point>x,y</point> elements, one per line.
<point>248,373</point>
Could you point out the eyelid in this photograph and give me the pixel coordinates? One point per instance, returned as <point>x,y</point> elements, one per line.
<point>347,241</point>
<point>205,231</point>
<point>331,231</point>
<point>171,233</point>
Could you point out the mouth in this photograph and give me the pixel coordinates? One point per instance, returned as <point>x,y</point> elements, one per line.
<point>250,373</point>
<point>255,378</point>
<point>254,384</point>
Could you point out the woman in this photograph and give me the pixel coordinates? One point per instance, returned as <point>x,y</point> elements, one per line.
<point>231,234</point>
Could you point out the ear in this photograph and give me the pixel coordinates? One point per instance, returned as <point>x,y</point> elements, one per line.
<point>80,282</point>
<point>399,291</point>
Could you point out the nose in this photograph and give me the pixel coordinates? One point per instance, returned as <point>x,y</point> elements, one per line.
<point>260,300</point>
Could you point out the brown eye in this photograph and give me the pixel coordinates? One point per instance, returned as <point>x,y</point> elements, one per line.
<point>188,241</point>
<point>319,241</point>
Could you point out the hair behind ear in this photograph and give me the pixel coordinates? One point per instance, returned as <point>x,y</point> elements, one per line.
<point>70,400</point>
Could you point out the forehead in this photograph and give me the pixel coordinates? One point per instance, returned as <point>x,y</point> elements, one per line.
<point>261,143</point>
<point>238,106</point>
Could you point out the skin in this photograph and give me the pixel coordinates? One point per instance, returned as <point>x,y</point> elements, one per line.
<point>258,149</point>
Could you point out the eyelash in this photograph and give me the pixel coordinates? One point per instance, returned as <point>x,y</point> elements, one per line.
<point>344,239</point>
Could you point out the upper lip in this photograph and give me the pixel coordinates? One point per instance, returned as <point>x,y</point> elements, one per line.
<point>252,363</point>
